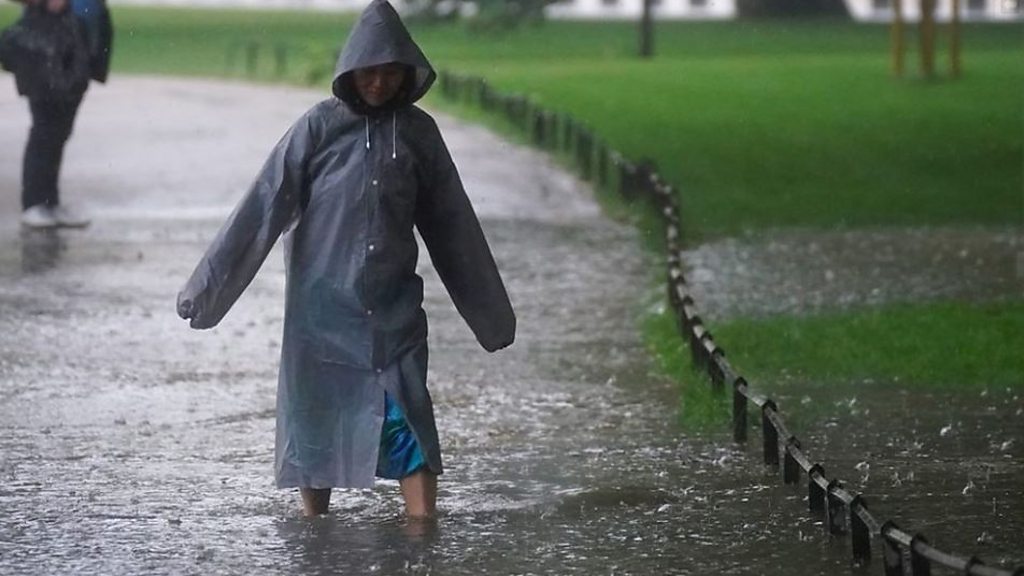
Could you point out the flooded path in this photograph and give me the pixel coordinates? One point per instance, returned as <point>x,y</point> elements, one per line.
<point>131,444</point>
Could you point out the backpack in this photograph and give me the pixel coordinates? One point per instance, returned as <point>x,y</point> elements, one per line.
<point>98,34</point>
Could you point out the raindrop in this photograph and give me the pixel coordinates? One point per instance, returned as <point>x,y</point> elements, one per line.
<point>865,471</point>
<point>1006,445</point>
<point>984,538</point>
<point>946,430</point>
<point>968,489</point>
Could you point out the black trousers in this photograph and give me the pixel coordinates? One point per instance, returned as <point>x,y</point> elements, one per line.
<point>52,121</point>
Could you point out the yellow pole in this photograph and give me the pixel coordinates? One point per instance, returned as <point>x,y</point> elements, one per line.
<point>896,38</point>
<point>954,41</point>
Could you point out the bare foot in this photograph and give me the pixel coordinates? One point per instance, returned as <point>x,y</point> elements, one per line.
<point>315,501</point>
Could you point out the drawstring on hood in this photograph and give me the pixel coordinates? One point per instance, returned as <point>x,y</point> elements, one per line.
<point>394,134</point>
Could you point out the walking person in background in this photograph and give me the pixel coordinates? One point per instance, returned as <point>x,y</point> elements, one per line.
<point>346,185</point>
<point>53,53</point>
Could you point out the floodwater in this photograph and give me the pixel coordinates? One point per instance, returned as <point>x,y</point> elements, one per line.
<point>130,444</point>
<point>799,272</point>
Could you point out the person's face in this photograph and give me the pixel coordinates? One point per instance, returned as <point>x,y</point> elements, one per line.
<point>55,6</point>
<point>377,85</point>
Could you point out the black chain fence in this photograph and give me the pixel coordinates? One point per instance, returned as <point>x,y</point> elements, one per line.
<point>844,512</point>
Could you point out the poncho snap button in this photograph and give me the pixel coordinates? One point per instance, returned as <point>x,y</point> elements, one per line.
<point>369,312</point>
<point>374,182</point>
<point>372,247</point>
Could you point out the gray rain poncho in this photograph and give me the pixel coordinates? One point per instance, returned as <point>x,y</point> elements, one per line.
<point>346,185</point>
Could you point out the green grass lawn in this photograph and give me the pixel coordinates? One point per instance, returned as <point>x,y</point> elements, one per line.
<point>782,125</point>
<point>942,345</point>
<point>939,344</point>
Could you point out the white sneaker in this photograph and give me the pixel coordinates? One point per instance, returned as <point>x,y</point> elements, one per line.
<point>68,218</point>
<point>39,216</point>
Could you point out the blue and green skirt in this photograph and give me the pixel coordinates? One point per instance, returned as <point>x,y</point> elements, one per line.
<point>400,454</point>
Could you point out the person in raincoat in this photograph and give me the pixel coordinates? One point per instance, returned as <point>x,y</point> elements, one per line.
<point>53,52</point>
<point>346,185</point>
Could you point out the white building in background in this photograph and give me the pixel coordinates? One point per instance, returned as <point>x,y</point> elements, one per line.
<point>861,10</point>
<point>970,10</point>
<point>631,9</point>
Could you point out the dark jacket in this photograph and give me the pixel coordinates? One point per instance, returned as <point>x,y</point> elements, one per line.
<point>47,53</point>
<point>347,186</point>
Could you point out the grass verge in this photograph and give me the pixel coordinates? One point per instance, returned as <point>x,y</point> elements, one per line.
<point>945,345</point>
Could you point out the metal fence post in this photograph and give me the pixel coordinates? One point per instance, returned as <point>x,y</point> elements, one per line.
<point>739,411</point>
<point>835,509</point>
<point>860,534</point>
<point>602,165</point>
<point>252,53</point>
<point>815,493</point>
<point>919,565</point>
<point>769,434</point>
<point>697,333</point>
<point>552,131</point>
<point>790,467</point>
<point>717,375</point>
<point>281,60</point>
<point>482,93</point>
<point>892,556</point>
<point>972,562</point>
<point>232,57</point>
<point>583,153</point>
<point>539,124</point>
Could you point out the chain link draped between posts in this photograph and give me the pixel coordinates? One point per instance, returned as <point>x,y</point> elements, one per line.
<point>844,512</point>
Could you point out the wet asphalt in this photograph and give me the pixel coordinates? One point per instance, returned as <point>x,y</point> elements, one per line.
<point>130,444</point>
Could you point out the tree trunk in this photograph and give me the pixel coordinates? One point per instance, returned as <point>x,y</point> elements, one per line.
<point>954,41</point>
<point>896,38</point>
<point>928,39</point>
<point>647,31</point>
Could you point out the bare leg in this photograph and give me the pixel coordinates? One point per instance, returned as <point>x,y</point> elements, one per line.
<point>315,500</point>
<point>420,493</point>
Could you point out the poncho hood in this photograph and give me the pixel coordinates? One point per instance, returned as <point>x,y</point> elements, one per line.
<point>379,37</point>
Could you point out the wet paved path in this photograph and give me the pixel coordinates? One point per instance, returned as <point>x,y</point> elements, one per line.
<point>130,444</point>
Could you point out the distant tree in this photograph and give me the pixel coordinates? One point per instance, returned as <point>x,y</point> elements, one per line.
<point>781,8</point>
<point>647,30</point>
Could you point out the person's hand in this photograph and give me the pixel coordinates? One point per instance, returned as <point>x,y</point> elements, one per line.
<point>186,309</point>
